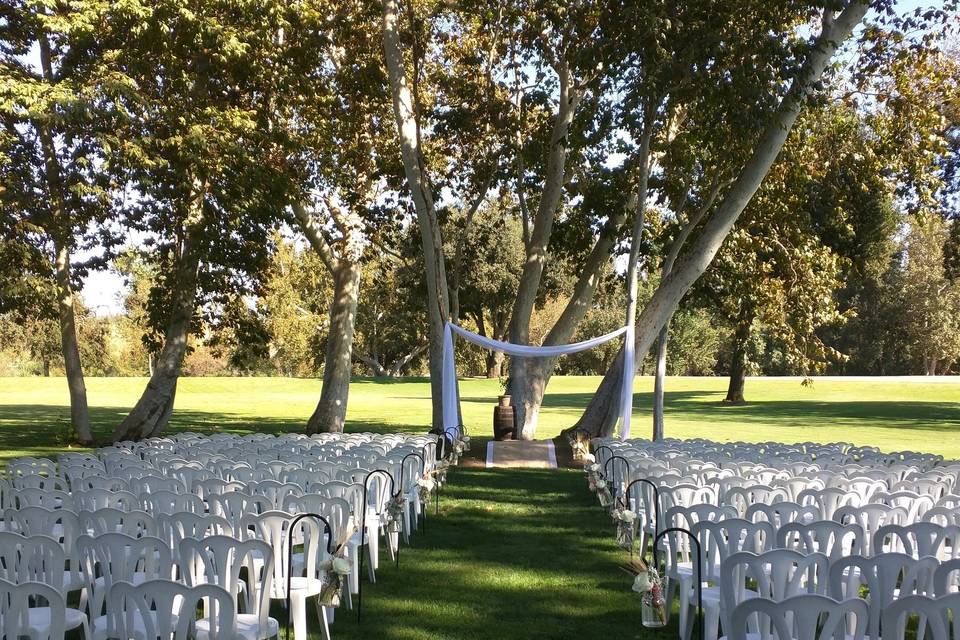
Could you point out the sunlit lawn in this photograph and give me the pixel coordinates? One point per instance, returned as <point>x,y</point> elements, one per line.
<point>514,554</point>
<point>891,414</point>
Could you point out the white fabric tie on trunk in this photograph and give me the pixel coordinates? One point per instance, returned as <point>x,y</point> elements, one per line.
<point>451,410</point>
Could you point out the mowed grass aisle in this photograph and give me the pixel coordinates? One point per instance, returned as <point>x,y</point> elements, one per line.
<point>514,554</point>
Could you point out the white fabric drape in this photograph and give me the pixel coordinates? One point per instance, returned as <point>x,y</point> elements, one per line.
<point>451,412</point>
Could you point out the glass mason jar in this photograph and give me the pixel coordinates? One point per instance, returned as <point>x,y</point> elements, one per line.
<point>330,594</point>
<point>653,610</point>
<point>625,535</point>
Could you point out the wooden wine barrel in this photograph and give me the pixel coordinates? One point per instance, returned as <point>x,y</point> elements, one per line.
<point>504,422</point>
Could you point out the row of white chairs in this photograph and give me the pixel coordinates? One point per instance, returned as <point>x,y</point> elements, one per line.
<point>833,501</point>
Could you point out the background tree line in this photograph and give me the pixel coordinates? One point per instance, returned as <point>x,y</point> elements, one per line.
<point>315,189</point>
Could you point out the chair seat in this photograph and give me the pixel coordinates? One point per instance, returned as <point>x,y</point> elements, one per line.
<point>40,618</point>
<point>100,626</point>
<point>248,627</point>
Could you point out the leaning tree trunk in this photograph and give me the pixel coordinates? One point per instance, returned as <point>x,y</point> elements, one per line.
<point>438,310</point>
<point>738,359</point>
<point>660,366</point>
<point>836,29</point>
<point>152,412</point>
<point>331,412</point>
<point>79,412</point>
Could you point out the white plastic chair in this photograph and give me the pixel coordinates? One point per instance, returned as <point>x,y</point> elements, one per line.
<point>33,610</point>
<point>164,609</point>
<point>934,616</point>
<point>887,577</point>
<point>273,527</point>
<point>775,575</point>
<point>112,558</point>
<point>39,559</point>
<point>226,562</point>
<point>828,537</point>
<point>803,617</point>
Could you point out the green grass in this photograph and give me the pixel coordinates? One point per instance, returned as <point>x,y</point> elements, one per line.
<point>514,554</point>
<point>890,414</point>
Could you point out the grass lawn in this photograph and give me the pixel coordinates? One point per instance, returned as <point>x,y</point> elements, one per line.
<point>891,414</point>
<point>514,554</point>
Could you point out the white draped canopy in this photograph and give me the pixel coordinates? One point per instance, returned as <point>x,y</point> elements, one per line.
<point>451,402</point>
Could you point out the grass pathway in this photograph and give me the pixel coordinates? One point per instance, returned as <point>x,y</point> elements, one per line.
<point>514,554</point>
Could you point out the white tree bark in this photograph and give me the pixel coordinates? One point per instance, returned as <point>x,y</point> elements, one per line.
<point>526,380</point>
<point>660,367</point>
<point>836,29</point>
<point>61,236</point>
<point>438,309</point>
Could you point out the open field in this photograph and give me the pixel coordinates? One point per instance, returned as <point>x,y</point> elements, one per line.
<point>892,414</point>
<point>515,554</point>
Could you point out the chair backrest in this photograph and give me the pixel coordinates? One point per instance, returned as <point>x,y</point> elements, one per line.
<point>16,600</point>
<point>828,537</point>
<point>803,617</point>
<point>776,575</point>
<point>273,527</point>
<point>49,499</point>
<point>870,517</point>
<point>946,579</point>
<point>720,540</point>
<point>886,577</point>
<point>94,499</point>
<point>932,614</point>
<point>161,502</point>
<point>918,539</point>
<point>165,609</point>
<point>227,562</point>
<point>116,557</point>
<point>132,523</point>
<point>33,559</point>
<point>780,513</point>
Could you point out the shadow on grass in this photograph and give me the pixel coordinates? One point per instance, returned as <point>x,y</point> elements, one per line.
<point>514,554</point>
<point>700,405</point>
<point>44,429</point>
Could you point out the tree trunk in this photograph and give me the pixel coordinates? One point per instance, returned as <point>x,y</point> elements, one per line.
<point>61,235</point>
<point>494,364</point>
<point>836,30</point>
<point>738,359</point>
<point>660,373</point>
<point>79,413</point>
<point>46,367</point>
<point>527,391</point>
<point>660,366</point>
<point>331,411</point>
<point>528,378</point>
<point>438,309</point>
<point>152,412</point>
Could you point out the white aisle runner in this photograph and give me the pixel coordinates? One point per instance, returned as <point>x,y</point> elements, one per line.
<point>536,454</point>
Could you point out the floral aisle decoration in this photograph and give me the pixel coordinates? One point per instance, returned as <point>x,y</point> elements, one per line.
<point>580,445</point>
<point>626,521</point>
<point>648,583</point>
<point>426,485</point>
<point>394,514</point>
<point>335,570</point>
<point>439,472</point>
<point>598,484</point>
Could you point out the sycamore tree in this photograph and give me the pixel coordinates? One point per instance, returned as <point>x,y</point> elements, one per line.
<point>56,196</point>
<point>331,108</point>
<point>583,82</point>
<point>191,149</point>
